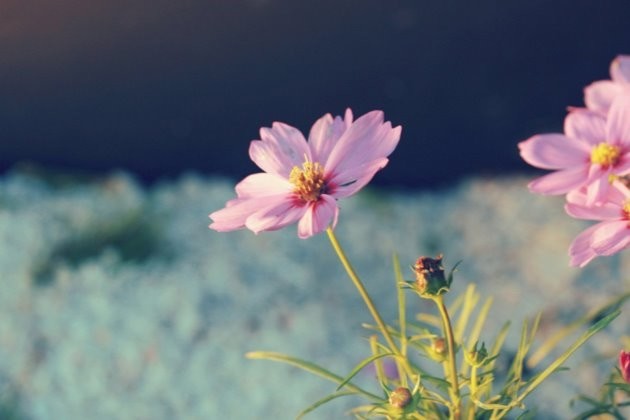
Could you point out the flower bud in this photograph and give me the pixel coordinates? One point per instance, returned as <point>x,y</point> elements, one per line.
<point>400,397</point>
<point>477,357</point>
<point>439,345</point>
<point>624,365</point>
<point>430,278</point>
<point>437,350</point>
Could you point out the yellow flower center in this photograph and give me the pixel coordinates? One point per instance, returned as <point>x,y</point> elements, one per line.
<point>605,155</point>
<point>308,181</point>
<point>626,210</point>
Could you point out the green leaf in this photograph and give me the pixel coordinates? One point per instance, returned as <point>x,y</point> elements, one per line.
<point>556,338</point>
<point>360,366</point>
<point>323,401</point>
<point>309,367</point>
<point>479,322</point>
<point>498,342</point>
<point>525,343</point>
<point>556,364</point>
<point>471,298</point>
<point>616,385</point>
<point>476,330</point>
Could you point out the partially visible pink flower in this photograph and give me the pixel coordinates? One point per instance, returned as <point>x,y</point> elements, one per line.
<point>609,236</point>
<point>624,365</point>
<point>302,181</point>
<point>599,95</point>
<point>592,151</point>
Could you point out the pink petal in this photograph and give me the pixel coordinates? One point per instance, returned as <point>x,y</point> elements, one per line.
<point>280,149</point>
<point>577,196</point>
<point>615,196</point>
<point>367,139</point>
<point>623,166</point>
<point>351,181</point>
<point>318,217</point>
<point>620,193</point>
<point>585,125</point>
<point>598,188</point>
<point>324,135</point>
<point>284,211</point>
<point>618,124</point>
<point>610,237</point>
<point>599,95</point>
<point>624,365</point>
<point>607,211</point>
<point>553,151</point>
<point>236,212</point>
<point>263,184</point>
<point>620,69</point>
<point>348,118</point>
<point>267,157</point>
<point>560,182</point>
<point>381,146</point>
<point>580,250</point>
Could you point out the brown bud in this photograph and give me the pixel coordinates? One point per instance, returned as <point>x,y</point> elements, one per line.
<point>439,345</point>
<point>430,278</point>
<point>400,397</point>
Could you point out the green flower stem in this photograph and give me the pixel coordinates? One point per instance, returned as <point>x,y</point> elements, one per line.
<point>448,332</point>
<point>366,297</point>
<point>473,392</point>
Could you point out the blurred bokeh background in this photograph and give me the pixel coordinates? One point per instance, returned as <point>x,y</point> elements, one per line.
<point>159,87</point>
<point>117,302</point>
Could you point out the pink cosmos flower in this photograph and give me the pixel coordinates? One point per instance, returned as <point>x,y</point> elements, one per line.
<point>609,236</point>
<point>302,180</point>
<point>624,365</point>
<point>599,95</point>
<point>591,152</point>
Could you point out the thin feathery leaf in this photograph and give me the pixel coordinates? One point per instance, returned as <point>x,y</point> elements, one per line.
<point>476,330</point>
<point>380,373</point>
<point>552,342</point>
<point>360,367</point>
<point>323,401</point>
<point>471,298</point>
<point>309,367</point>
<point>556,364</point>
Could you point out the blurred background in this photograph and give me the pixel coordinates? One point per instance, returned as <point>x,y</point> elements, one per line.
<point>160,87</point>
<point>117,302</point>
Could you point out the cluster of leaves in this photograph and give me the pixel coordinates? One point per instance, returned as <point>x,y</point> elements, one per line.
<point>481,388</point>
<point>614,396</point>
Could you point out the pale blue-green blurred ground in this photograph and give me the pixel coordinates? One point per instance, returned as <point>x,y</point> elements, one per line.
<point>117,302</point>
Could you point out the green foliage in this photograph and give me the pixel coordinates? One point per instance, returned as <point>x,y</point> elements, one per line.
<point>441,341</point>
<point>613,397</point>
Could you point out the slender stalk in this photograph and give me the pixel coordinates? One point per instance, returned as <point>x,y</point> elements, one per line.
<point>448,332</point>
<point>403,365</point>
<point>473,392</point>
<point>363,292</point>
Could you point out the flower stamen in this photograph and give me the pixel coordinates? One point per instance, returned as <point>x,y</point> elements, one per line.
<point>605,154</point>
<point>308,180</point>
<point>625,210</point>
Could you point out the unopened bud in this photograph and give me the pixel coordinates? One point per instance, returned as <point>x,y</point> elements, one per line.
<point>400,397</point>
<point>477,357</point>
<point>439,345</point>
<point>437,350</point>
<point>624,365</point>
<point>430,278</point>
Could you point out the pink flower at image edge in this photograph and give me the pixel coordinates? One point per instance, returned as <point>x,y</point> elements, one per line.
<point>624,365</point>
<point>599,95</point>
<point>302,180</point>
<point>610,235</point>
<point>592,149</point>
